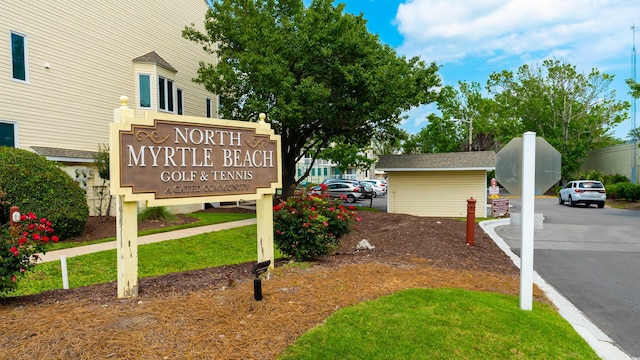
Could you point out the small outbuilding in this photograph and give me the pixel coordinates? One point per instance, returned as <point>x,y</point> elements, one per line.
<point>437,185</point>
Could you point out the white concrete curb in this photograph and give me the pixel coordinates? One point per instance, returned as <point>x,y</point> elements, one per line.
<point>602,344</point>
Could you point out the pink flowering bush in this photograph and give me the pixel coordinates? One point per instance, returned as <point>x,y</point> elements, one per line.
<point>19,247</point>
<point>308,226</point>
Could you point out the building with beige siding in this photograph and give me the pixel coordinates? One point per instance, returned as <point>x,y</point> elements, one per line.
<point>617,159</point>
<point>437,185</point>
<point>65,65</point>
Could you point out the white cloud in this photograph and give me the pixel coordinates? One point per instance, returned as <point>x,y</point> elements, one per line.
<point>449,30</point>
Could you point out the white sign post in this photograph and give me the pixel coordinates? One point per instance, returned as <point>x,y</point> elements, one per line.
<point>527,219</point>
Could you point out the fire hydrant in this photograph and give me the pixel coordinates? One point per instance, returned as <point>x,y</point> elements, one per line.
<point>471,220</point>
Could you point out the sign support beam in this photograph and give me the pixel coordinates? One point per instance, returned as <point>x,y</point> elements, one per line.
<point>527,219</point>
<point>264,217</point>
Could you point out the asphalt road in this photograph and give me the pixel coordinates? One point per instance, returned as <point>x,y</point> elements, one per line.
<point>592,257</point>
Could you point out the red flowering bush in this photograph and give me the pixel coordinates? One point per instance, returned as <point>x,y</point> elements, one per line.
<point>308,226</point>
<point>19,247</point>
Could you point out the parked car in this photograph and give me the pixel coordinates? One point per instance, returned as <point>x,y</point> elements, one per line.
<point>350,191</point>
<point>379,186</point>
<point>368,191</point>
<point>583,191</point>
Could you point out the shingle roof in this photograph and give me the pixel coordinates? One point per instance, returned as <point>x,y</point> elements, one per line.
<point>154,58</point>
<point>64,154</point>
<point>472,160</point>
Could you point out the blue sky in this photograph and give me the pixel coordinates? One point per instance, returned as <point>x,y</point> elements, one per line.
<point>472,39</point>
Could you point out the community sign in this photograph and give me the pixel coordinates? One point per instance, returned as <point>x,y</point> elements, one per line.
<point>188,158</point>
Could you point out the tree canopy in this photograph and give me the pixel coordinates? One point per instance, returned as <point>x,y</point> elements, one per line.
<point>317,73</point>
<point>574,112</point>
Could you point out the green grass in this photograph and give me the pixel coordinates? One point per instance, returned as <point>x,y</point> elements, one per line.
<point>442,324</point>
<point>233,246</point>
<point>204,218</point>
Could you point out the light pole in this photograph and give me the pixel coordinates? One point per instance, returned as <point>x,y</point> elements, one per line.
<point>634,165</point>
<point>470,122</point>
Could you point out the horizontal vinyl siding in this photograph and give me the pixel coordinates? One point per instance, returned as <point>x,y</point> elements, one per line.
<point>617,159</point>
<point>436,193</point>
<point>90,46</point>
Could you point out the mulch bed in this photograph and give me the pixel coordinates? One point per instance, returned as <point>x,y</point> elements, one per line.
<point>211,313</point>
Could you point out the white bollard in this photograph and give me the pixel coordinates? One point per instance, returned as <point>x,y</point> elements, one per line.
<point>65,274</point>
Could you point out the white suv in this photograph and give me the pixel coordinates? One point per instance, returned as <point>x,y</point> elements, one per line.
<point>583,191</point>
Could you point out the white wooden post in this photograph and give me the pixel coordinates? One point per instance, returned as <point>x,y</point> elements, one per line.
<point>126,228</point>
<point>527,219</point>
<point>264,217</point>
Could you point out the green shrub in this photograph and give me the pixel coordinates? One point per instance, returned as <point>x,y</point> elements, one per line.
<point>624,190</point>
<point>612,191</point>
<point>591,175</point>
<point>614,179</point>
<point>156,213</point>
<point>38,185</point>
<point>308,226</point>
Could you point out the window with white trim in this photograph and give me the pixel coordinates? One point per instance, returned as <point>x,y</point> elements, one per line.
<point>19,58</point>
<point>165,94</point>
<point>8,134</point>
<point>209,108</point>
<point>144,91</point>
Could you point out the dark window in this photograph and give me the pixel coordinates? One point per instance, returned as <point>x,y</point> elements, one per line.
<point>208,107</point>
<point>161,91</point>
<point>180,106</point>
<point>145,90</point>
<point>169,95</point>
<point>7,135</point>
<point>19,57</point>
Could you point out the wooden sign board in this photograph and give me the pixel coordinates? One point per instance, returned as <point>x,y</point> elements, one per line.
<point>166,160</point>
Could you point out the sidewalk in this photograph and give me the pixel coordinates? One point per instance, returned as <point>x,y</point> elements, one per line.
<point>147,239</point>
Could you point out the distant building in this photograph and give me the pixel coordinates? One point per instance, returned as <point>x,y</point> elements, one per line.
<point>617,159</point>
<point>66,64</point>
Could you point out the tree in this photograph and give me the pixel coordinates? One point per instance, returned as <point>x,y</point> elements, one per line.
<point>346,155</point>
<point>440,135</point>
<point>634,134</point>
<point>101,161</point>
<point>389,142</point>
<point>316,72</point>
<point>574,112</point>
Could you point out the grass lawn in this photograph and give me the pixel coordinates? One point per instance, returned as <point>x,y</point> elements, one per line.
<point>204,218</point>
<point>442,324</point>
<point>232,246</point>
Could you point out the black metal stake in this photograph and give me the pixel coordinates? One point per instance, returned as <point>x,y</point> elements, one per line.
<point>257,289</point>
<point>258,269</point>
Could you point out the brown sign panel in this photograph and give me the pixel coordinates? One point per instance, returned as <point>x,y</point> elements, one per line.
<point>500,207</point>
<point>174,159</point>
